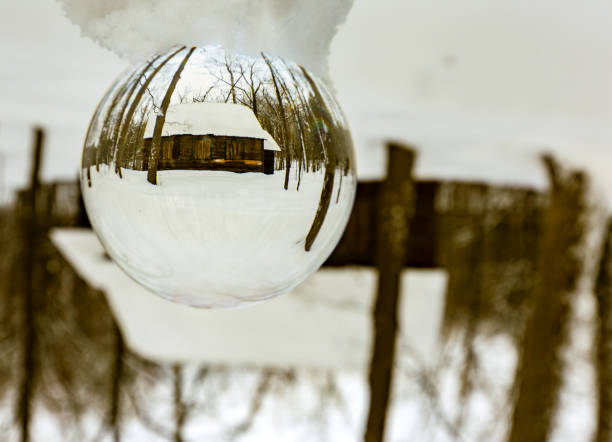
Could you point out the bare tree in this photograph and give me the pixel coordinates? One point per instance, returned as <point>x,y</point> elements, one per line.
<point>180,408</point>
<point>330,166</point>
<point>127,121</point>
<point>230,70</point>
<point>603,337</point>
<point>253,84</point>
<point>300,130</point>
<point>283,117</point>
<point>538,376</point>
<point>117,384</point>
<point>30,272</point>
<point>201,97</point>
<point>117,126</point>
<point>160,120</point>
<point>103,150</point>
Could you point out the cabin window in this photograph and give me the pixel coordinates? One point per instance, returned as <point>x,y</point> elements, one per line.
<point>234,150</point>
<point>176,149</point>
<point>166,152</point>
<point>253,150</point>
<point>186,151</point>
<point>147,146</point>
<point>202,148</point>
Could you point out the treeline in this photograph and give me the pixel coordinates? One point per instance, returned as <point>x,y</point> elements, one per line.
<point>296,109</point>
<point>528,299</point>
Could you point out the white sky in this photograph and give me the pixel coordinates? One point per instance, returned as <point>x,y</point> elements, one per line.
<point>480,87</point>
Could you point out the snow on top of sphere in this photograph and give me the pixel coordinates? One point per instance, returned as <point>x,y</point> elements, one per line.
<point>135,29</point>
<point>227,119</point>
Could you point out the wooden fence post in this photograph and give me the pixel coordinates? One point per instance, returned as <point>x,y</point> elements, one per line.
<point>396,207</point>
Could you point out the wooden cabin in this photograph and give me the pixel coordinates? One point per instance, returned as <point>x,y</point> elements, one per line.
<point>212,136</point>
<point>212,152</point>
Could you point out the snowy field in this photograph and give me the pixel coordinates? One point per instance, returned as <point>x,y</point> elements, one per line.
<point>240,236</point>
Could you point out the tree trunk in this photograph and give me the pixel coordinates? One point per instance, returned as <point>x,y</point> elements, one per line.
<point>161,119</point>
<point>285,130</point>
<point>396,207</point>
<point>103,145</point>
<point>29,366</point>
<point>324,201</point>
<point>538,376</point>
<point>117,382</point>
<point>299,181</point>
<point>298,120</point>
<point>254,93</point>
<point>330,164</point>
<point>118,156</point>
<point>122,140</point>
<point>465,285</point>
<point>228,67</point>
<point>304,105</point>
<point>180,411</point>
<point>603,336</point>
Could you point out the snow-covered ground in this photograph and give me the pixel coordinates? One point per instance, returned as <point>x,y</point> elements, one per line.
<point>215,238</point>
<point>324,323</point>
<point>324,326</point>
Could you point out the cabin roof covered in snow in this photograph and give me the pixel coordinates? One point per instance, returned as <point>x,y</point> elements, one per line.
<point>228,119</point>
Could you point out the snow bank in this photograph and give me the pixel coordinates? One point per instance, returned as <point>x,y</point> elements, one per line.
<point>134,29</point>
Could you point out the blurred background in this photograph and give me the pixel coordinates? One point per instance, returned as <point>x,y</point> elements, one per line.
<point>493,322</point>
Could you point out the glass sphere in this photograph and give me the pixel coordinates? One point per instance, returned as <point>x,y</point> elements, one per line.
<point>216,179</point>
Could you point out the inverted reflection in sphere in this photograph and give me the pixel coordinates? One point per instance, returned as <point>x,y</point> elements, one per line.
<point>217,180</point>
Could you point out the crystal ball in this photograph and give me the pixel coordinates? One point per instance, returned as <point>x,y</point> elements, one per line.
<point>216,179</point>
